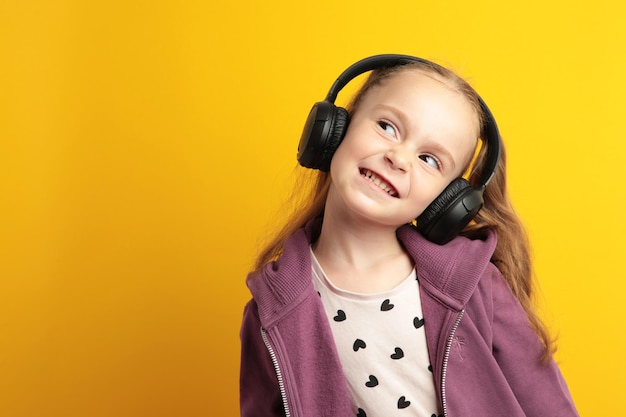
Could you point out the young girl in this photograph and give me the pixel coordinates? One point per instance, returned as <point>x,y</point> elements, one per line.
<point>389,293</point>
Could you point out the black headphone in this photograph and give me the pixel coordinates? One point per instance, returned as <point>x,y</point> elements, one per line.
<point>457,204</point>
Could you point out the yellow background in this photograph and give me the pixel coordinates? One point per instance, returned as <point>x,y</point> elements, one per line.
<point>145,146</point>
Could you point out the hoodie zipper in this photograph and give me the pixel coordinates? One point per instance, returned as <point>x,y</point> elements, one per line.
<point>279,375</point>
<point>446,357</point>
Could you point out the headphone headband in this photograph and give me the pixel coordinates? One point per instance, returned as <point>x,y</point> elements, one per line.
<point>369,64</point>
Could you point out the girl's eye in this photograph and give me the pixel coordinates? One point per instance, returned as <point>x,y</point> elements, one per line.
<point>387,127</point>
<point>431,160</point>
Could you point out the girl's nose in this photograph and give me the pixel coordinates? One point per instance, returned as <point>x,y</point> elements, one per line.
<point>398,157</point>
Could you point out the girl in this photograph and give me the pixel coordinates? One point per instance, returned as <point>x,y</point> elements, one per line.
<point>361,310</point>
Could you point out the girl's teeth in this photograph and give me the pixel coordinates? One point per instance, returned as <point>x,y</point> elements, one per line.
<point>384,186</point>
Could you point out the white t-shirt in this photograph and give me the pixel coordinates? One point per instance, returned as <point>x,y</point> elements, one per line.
<point>381,343</point>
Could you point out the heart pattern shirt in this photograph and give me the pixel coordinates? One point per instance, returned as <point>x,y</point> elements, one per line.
<point>381,343</point>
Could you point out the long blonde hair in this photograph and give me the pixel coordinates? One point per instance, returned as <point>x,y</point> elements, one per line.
<point>512,253</point>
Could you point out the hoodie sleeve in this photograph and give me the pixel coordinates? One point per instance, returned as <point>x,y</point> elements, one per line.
<point>539,388</point>
<point>259,394</point>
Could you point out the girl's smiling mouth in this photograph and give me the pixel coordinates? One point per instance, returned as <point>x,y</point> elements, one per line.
<point>379,182</point>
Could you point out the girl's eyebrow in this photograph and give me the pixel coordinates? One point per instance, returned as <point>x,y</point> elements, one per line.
<point>443,153</point>
<point>438,148</point>
<point>404,119</point>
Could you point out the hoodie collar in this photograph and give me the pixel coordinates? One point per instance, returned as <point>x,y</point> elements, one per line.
<point>449,272</point>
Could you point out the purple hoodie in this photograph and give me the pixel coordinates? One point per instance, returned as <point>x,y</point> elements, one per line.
<point>485,356</point>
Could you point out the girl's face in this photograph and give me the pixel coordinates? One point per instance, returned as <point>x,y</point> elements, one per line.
<point>408,139</point>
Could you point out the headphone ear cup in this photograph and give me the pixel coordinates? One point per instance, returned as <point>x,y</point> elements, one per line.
<point>323,131</point>
<point>450,212</point>
<point>337,133</point>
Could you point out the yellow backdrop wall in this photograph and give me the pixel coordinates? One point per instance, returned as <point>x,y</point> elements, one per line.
<point>145,146</point>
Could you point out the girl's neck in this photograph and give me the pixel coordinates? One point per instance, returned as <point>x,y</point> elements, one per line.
<point>355,243</point>
<point>359,256</point>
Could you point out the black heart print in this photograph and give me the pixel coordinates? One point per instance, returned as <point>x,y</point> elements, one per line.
<point>373,381</point>
<point>398,354</point>
<point>358,344</point>
<point>417,322</point>
<point>403,403</point>
<point>341,315</point>
<point>386,305</point>
<point>361,413</point>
